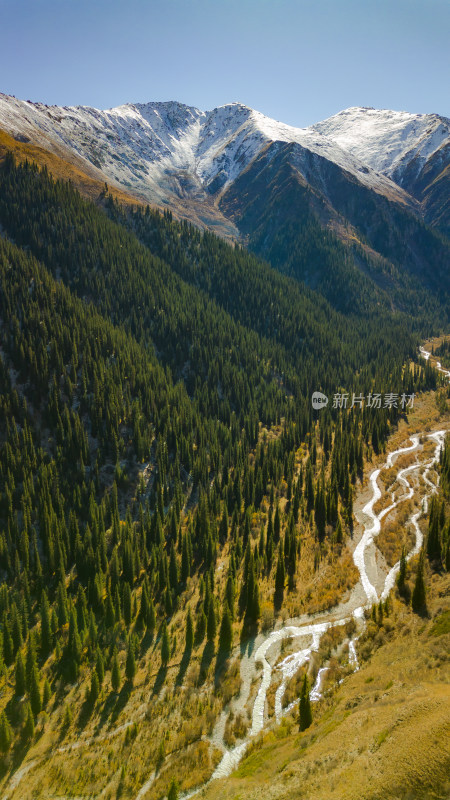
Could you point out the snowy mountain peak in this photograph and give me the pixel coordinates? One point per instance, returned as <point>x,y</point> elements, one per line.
<point>387,140</point>
<point>162,150</point>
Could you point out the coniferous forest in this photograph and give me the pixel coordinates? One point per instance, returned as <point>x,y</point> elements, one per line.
<point>155,391</point>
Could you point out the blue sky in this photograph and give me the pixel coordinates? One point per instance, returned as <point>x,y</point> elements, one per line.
<point>296,60</point>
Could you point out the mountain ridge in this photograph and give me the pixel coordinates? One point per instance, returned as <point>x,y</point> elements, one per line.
<point>205,166</point>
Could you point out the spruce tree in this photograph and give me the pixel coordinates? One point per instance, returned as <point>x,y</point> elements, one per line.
<point>418,599</point>
<point>226,631</point>
<point>110,615</point>
<point>173,790</point>
<point>46,693</point>
<point>20,682</point>
<point>46,633</point>
<point>165,645</point>
<point>151,618</point>
<point>200,627</point>
<point>28,730</point>
<point>130,664</point>
<point>305,717</point>
<point>100,667</point>
<point>5,733</point>
<point>115,673</point>
<point>127,604</point>
<point>211,624</point>
<point>95,689</point>
<point>189,632</point>
<point>280,572</point>
<point>34,691</point>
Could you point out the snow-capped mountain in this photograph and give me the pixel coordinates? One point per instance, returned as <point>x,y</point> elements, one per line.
<point>368,178</point>
<point>162,150</point>
<point>387,141</point>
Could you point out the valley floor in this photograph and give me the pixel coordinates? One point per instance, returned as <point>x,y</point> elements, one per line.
<point>381,700</point>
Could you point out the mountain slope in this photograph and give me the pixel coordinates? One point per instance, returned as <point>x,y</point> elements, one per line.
<point>286,197</point>
<point>247,177</point>
<point>411,149</point>
<point>169,149</point>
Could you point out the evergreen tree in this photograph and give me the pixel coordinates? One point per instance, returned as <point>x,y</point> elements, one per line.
<point>305,717</point>
<point>434,548</point>
<point>46,693</point>
<point>165,645</point>
<point>130,664</point>
<point>280,572</point>
<point>20,683</point>
<point>151,619</point>
<point>189,631</point>
<point>28,730</point>
<point>46,633</point>
<point>127,614</point>
<point>95,688</point>
<point>418,599</point>
<point>200,628</point>
<point>211,624</point>
<point>5,733</point>
<point>110,616</point>
<point>34,692</point>
<point>100,667</point>
<point>173,790</point>
<point>226,631</point>
<point>115,673</point>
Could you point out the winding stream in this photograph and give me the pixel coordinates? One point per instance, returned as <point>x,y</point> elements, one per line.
<point>311,634</point>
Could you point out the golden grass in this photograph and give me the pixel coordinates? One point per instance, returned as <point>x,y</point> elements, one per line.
<point>383,733</point>
<point>75,170</point>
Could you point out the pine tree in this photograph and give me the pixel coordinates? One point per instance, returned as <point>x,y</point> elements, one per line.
<point>434,548</point>
<point>115,673</point>
<point>73,648</point>
<point>151,619</point>
<point>165,645</point>
<point>46,633</point>
<point>200,627</point>
<point>110,615</point>
<point>95,689</point>
<point>8,646</point>
<point>226,631</point>
<point>100,667</point>
<point>5,733</point>
<point>30,663</point>
<point>46,693</point>
<point>280,573</point>
<point>28,730</point>
<point>127,604</point>
<point>130,664</point>
<point>189,632</point>
<point>34,691</point>
<point>418,599</point>
<point>305,718</point>
<point>173,790</point>
<point>211,624</point>
<point>20,682</point>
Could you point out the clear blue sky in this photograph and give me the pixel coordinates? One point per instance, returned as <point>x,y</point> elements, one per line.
<point>296,60</point>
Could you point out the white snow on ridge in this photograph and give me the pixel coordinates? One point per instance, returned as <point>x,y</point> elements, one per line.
<point>387,140</point>
<point>161,150</point>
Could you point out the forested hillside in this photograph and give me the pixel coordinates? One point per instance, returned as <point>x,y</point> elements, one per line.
<point>380,255</point>
<point>156,419</point>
